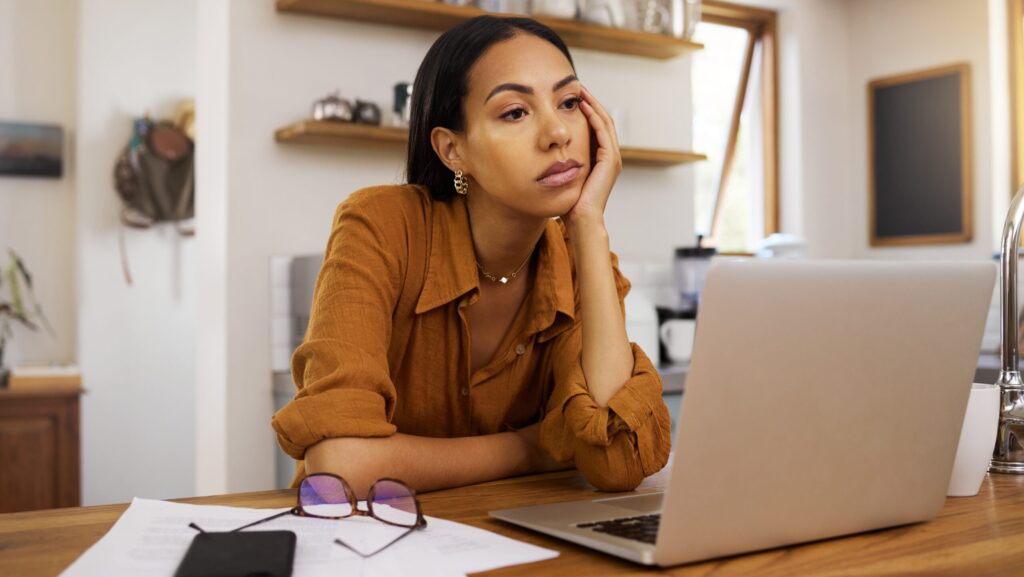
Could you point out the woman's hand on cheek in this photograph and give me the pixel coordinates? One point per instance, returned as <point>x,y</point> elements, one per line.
<point>606,168</point>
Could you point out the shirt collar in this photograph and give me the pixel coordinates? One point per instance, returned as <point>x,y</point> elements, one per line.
<point>553,303</point>
<point>452,271</point>
<point>451,266</point>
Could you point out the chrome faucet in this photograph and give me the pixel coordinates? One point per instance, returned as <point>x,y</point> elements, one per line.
<point>1008,456</point>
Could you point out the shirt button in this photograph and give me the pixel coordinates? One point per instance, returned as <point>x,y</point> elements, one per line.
<point>520,349</point>
<point>465,391</point>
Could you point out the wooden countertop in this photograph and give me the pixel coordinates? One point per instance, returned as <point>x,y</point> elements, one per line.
<point>973,536</point>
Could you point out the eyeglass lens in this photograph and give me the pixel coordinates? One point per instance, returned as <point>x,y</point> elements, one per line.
<point>324,496</point>
<point>393,502</point>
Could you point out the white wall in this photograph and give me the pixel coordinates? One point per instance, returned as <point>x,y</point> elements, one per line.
<point>999,111</point>
<point>829,51</point>
<point>889,37</point>
<point>822,112</point>
<point>276,199</point>
<point>38,85</point>
<point>136,344</point>
<point>212,116</point>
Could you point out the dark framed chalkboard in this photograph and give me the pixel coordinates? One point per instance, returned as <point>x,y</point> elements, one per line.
<point>919,152</point>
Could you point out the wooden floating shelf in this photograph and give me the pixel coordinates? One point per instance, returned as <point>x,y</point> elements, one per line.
<point>652,157</point>
<point>326,132</point>
<point>440,16</point>
<point>322,132</point>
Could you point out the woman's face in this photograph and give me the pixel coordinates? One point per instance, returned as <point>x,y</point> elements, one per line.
<point>526,143</point>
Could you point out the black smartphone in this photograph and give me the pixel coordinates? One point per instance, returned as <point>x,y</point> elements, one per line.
<point>239,554</point>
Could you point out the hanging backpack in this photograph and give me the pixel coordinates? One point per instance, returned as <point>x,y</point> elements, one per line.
<point>154,176</point>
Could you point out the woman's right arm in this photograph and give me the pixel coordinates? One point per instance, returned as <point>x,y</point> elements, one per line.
<point>429,463</point>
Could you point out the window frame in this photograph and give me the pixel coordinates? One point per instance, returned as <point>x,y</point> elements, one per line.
<point>762,28</point>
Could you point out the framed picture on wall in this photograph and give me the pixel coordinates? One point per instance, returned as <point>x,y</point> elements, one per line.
<point>31,150</point>
<point>919,157</point>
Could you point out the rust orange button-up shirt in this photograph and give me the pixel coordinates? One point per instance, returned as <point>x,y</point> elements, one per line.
<point>388,347</point>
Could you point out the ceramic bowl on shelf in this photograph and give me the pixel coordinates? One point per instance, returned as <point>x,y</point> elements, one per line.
<point>333,108</point>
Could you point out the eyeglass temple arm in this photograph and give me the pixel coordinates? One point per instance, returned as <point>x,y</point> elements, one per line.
<point>270,518</point>
<point>400,537</point>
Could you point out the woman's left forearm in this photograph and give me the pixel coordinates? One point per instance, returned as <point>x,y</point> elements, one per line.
<point>607,356</point>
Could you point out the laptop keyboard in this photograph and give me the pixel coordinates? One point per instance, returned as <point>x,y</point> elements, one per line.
<point>643,528</point>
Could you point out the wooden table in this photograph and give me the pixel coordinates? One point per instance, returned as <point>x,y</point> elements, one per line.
<point>973,536</point>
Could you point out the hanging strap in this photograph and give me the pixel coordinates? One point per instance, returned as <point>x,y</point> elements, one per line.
<point>124,254</point>
<point>184,198</point>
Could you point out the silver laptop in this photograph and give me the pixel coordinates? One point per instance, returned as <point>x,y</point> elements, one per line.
<point>824,398</point>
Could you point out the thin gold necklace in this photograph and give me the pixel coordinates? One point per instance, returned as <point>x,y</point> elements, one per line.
<point>505,279</point>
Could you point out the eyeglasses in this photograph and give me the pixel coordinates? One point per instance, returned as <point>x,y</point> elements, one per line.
<point>328,496</point>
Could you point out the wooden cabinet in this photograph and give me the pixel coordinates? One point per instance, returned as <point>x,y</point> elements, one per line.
<point>39,446</point>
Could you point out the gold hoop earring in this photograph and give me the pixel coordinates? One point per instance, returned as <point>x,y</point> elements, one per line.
<point>461,184</point>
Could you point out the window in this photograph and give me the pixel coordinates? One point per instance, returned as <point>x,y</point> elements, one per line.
<point>735,103</point>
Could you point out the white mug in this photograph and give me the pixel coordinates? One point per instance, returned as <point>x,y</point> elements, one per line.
<point>977,441</point>
<point>677,336</point>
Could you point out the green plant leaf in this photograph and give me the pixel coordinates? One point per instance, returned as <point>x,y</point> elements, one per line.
<point>10,312</point>
<point>42,319</point>
<point>37,309</point>
<point>15,291</point>
<point>15,309</point>
<point>20,264</point>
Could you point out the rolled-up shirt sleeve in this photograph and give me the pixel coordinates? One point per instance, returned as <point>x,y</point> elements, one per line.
<point>617,446</point>
<point>341,368</point>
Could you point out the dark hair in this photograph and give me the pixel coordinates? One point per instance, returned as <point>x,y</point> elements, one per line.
<point>441,85</point>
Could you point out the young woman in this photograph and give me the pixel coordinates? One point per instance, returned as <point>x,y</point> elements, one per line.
<point>469,326</point>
